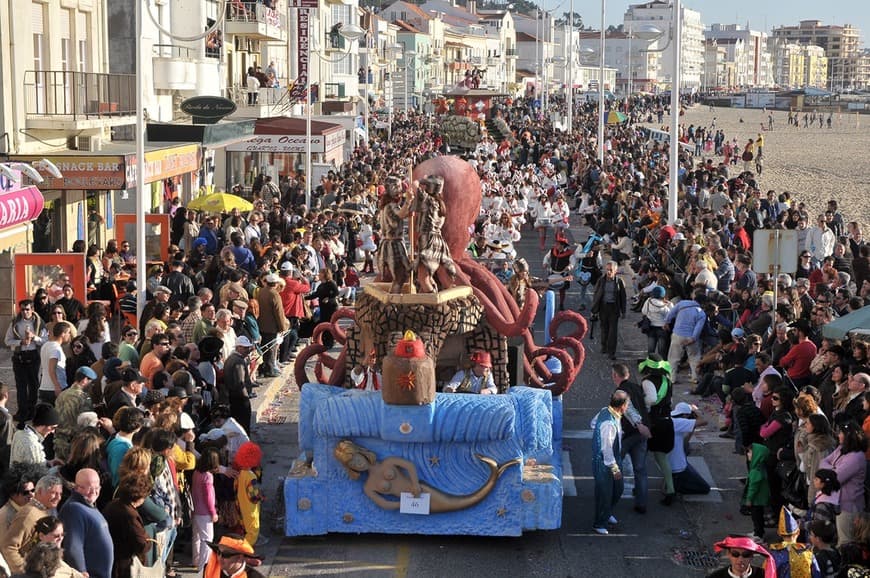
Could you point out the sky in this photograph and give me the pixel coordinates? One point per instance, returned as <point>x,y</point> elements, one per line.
<point>761,14</point>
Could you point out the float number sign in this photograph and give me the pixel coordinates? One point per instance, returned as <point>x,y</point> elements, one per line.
<point>409,504</point>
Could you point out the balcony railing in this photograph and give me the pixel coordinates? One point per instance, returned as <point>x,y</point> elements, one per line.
<point>262,97</point>
<point>255,12</point>
<point>174,51</point>
<point>79,95</point>
<point>511,52</point>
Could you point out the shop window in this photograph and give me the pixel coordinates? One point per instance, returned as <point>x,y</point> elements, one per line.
<point>47,237</point>
<point>95,219</point>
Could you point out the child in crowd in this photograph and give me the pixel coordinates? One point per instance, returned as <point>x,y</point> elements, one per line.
<point>823,536</point>
<point>204,505</point>
<point>248,491</point>
<point>757,488</point>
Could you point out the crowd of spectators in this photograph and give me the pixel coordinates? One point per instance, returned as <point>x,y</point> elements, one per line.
<point>168,401</point>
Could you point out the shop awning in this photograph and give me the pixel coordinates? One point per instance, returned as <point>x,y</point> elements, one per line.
<point>210,136</point>
<point>20,206</point>
<point>289,135</point>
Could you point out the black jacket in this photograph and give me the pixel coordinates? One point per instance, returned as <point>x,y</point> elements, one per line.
<point>598,299</point>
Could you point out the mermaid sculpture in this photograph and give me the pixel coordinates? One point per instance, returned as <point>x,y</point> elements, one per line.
<point>393,476</point>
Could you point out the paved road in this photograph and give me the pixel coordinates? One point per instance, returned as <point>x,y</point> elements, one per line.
<point>666,542</point>
<point>648,546</point>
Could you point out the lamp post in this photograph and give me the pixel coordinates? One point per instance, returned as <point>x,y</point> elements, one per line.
<point>601,90</point>
<point>408,63</point>
<point>673,187</point>
<point>351,32</point>
<point>647,33</point>
<point>569,80</point>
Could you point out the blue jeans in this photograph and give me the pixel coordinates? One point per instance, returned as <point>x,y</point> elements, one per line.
<point>634,447</point>
<point>689,481</point>
<point>608,492</point>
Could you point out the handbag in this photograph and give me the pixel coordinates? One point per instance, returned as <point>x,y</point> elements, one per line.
<point>644,324</point>
<point>140,570</point>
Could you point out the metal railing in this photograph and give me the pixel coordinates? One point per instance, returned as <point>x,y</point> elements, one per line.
<point>255,12</point>
<point>80,95</point>
<point>511,52</point>
<point>265,96</point>
<point>174,51</point>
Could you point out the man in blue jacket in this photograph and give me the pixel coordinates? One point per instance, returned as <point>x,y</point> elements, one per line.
<point>686,321</point>
<point>87,544</point>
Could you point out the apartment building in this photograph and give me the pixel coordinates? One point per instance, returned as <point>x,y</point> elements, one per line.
<point>848,65</point>
<point>747,48</point>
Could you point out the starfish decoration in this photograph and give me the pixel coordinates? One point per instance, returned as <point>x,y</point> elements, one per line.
<point>434,461</point>
<point>407,381</point>
<point>501,512</point>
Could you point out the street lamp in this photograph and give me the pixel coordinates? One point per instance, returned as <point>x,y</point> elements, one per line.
<point>601,91</point>
<point>406,55</point>
<point>645,32</point>
<point>350,32</point>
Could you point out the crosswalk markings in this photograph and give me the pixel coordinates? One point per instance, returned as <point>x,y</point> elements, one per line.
<point>569,480</point>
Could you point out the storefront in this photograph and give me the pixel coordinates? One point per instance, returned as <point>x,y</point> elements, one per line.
<point>20,206</point>
<point>279,147</point>
<point>95,186</point>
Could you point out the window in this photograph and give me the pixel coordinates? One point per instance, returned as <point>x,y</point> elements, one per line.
<point>82,29</point>
<point>37,23</point>
<point>343,66</point>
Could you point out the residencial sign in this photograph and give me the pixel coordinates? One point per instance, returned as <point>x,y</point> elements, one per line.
<point>300,85</point>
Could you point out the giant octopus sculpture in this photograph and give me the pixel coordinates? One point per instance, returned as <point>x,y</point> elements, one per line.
<point>462,195</point>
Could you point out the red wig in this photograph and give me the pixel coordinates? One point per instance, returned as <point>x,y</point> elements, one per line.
<point>249,456</point>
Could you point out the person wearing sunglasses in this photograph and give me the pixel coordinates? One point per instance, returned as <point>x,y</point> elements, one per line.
<point>19,484</point>
<point>25,335</point>
<point>740,551</point>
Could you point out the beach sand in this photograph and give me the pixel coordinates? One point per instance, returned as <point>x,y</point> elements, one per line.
<point>813,164</point>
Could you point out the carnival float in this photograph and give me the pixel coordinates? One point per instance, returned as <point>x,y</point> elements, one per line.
<point>403,456</point>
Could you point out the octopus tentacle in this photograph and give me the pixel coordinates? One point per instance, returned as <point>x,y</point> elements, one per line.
<point>299,372</point>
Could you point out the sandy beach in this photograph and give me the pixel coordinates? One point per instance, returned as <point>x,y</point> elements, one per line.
<point>814,164</point>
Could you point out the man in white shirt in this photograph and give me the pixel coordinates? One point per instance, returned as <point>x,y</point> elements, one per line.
<point>52,363</point>
<point>607,460</point>
<point>687,480</point>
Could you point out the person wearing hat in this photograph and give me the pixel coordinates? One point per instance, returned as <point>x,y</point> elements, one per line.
<point>740,551</point>
<point>162,293</point>
<point>557,262</point>
<point>475,379</point>
<point>237,383</point>
<point>72,402</point>
<point>792,558</point>
<point>27,443</point>
<point>273,321</point>
<point>232,557</point>
<point>133,384</point>
<point>687,480</point>
<point>225,425</point>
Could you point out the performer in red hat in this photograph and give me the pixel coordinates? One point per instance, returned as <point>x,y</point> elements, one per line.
<point>741,550</point>
<point>476,379</point>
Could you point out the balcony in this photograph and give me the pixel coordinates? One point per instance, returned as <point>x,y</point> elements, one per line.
<point>268,102</point>
<point>511,53</point>
<point>67,100</point>
<point>255,20</point>
<point>175,67</point>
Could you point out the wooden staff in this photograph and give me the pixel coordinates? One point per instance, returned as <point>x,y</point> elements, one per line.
<point>412,233</point>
